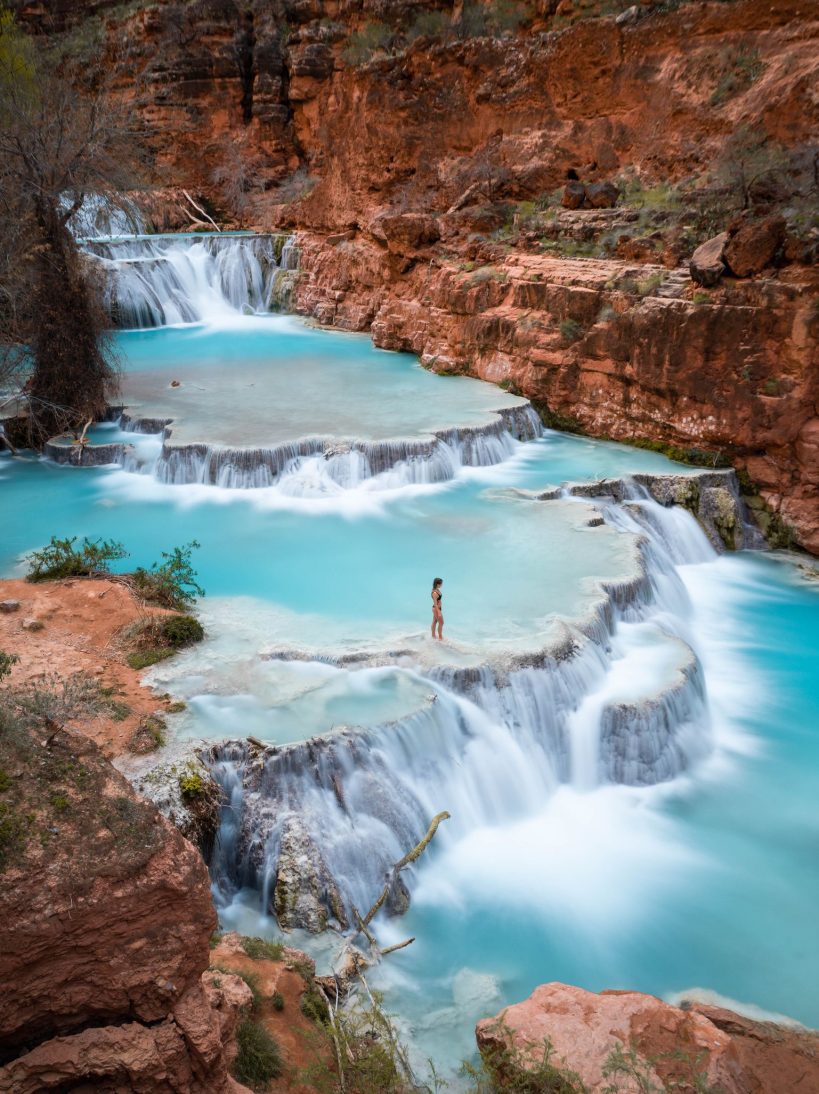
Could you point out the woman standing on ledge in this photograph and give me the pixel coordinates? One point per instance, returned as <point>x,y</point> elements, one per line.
<point>437,614</point>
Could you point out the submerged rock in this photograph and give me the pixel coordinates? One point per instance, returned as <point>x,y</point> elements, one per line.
<point>675,1048</point>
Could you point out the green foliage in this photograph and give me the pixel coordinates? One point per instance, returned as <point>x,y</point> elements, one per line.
<point>191,784</point>
<point>570,331</point>
<point>498,17</point>
<point>61,559</point>
<point>59,802</point>
<point>701,298</point>
<point>181,630</point>
<point>171,583</point>
<point>374,37</point>
<point>650,284</point>
<point>7,660</point>
<point>632,1073</point>
<point>697,457</point>
<point>277,1001</point>
<point>52,701</point>
<point>143,659</point>
<point>215,939</point>
<point>177,708</point>
<point>258,1059</point>
<point>314,1005</point>
<point>12,835</point>
<point>739,69</point>
<point>428,24</point>
<point>263,949</point>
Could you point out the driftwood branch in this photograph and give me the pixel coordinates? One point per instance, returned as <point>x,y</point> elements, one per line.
<point>398,946</point>
<point>199,209</point>
<point>416,852</point>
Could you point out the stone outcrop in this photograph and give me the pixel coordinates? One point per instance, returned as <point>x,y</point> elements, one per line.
<point>673,1045</point>
<point>707,264</point>
<point>107,915</point>
<point>645,359</point>
<point>752,245</point>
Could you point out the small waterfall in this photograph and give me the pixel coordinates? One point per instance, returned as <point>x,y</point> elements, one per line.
<point>314,466</point>
<point>626,704</point>
<point>156,281</point>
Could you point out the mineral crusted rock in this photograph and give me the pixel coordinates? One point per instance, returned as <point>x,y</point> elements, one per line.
<point>305,893</point>
<point>728,1052</point>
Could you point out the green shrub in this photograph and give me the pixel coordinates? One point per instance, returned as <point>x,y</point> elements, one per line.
<point>12,835</point>
<point>181,630</point>
<point>429,24</point>
<point>215,939</point>
<point>61,559</point>
<point>5,780</point>
<point>143,659</point>
<point>59,802</point>
<point>570,331</point>
<point>373,37</point>
<point>6,662</point>
<point>701,298</point>
<point>262,949</point>
<point>191,784</point>
<point>258,1059</point>
<point>171,583</point>
<point>740,68</point>
<point>277,1001</point>
<point>314,1005</point>
<point>650,284</point>
<point>508,1069</point>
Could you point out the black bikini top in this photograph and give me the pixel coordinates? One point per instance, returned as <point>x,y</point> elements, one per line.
<point>440,596</point>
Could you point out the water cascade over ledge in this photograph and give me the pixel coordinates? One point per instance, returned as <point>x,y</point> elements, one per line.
<point>156,281</point>
<point>621,699</point>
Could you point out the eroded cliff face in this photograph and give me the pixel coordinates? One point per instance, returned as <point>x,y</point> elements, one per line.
<point>419,148</point>
<point>107,915</point>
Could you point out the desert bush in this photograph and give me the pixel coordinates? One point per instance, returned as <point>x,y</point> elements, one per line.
<point>650,284</point>
<point>750,166</point>
<point>428,24</point>
<point>507,1069</point>
<point>740,67</point>
<point>181,630</point>
<point>60,558</point>
<point>263,949</point>
<point>258,1059</point>
<point>7,660</point>
<point>374,37</point>
<point>277,1001</point>
<point>570,331</point>
<point>171,583</point>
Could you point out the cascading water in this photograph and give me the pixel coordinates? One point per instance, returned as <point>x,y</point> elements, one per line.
<point>624,703</point>
<point>155,281</point>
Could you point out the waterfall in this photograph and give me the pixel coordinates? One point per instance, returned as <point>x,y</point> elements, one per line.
<point>314,466</point>
<point>622,702</point>
<point>156,281</point>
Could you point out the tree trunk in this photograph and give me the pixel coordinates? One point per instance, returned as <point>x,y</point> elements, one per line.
<point>72,377</point>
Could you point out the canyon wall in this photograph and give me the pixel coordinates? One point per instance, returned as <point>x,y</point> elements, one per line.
<point>420,148</point>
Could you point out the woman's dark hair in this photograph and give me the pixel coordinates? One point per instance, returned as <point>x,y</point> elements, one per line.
<point>437,581</point>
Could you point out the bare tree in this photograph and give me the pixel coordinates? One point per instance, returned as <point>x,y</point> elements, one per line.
<point>58,145</point>
<point>752,166</point>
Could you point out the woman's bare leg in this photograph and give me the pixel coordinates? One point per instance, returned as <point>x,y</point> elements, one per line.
<point>440,628</point>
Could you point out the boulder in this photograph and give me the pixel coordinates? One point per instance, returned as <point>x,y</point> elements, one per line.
<point>707,266</point>
<point>602,195</point>
<point>752,245</point>
<point>574,195</point>
<point>679,1048</point>
<point>9,606</point>
<point>406,232</point>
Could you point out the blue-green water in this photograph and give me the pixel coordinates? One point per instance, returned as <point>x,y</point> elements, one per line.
<point>707,882</point>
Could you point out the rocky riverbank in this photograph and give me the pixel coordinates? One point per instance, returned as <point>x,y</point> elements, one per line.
<point>628,1041</point>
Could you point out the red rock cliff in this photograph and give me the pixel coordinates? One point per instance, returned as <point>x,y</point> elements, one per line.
<point>415,143</point>
<point>106,916</point>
